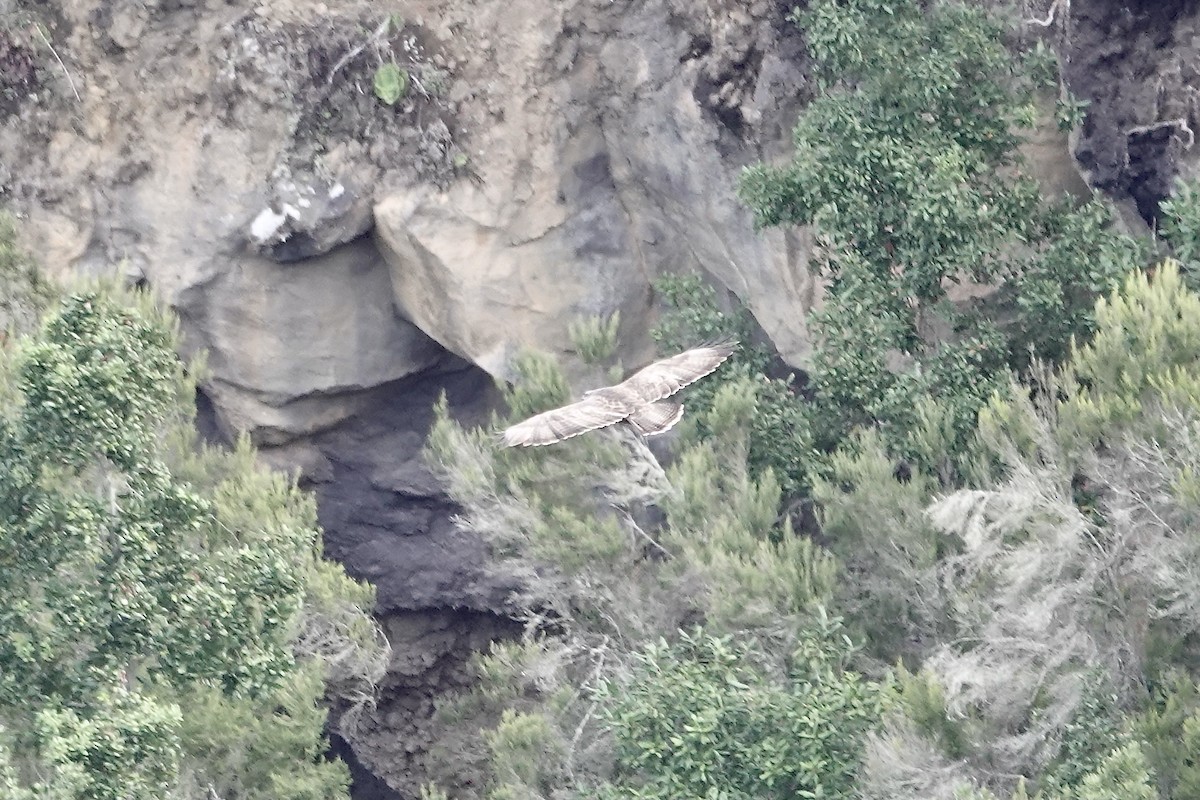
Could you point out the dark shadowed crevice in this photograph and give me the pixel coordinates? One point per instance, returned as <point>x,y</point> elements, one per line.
<point>364,784</point>
<point>207,424</point>
<point>388,520</point>
<point>1134,63</point>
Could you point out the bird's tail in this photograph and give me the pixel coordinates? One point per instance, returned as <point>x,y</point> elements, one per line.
<point>657,417</point>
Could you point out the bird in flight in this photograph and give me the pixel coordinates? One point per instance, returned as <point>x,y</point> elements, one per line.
<point>640,400</point>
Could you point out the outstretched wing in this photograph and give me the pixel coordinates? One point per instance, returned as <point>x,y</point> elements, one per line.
<point>590,413</point>
<point>665,378</point>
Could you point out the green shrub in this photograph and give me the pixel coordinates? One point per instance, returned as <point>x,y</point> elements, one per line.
<point>1123,774</point>
<point>1180,225</point>
<point>908,168</point>
<point>1092,735</point>
<point>391,83</point>
<point>780,433</point>
<point>1146,352</point>
<point>147,570</point>
<point>269,748</point>
<point>24,293</point>
<point>1169,730</point>
<point>876,525</point>
<point>699,719</point>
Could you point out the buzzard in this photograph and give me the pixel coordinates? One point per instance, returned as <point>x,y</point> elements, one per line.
<point>639,400</point>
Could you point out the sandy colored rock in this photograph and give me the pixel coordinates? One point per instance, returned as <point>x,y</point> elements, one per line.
<point>291,346</point>
<point>608,153</point>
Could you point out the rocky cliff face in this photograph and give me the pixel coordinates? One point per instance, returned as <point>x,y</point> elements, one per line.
<point>342,260</point>
<point>545,163</point>
<point>1137,65</point>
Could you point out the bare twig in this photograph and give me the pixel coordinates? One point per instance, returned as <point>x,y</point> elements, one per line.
<point>1050,12</point>
<point>57,58</point>
<point>597,671</point>
<point>638,528</point>
<point>379,33</point>
<point>1180,123</point>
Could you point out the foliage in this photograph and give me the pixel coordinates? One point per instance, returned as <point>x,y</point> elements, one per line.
<point>1146,351</point>
<point>1032,626</point>
<point>626,553</point>
<point>538,727</point>
<point>146,571</point>
<point>1080,260</point>
<point>1170,731</point>
<point>1123,774</point>
<point>698,719</point>
<point>541,385</point>
<point>907,166</point>
<point>897,157</point>
<point>1072,578</point>
<point>391,83</point>
<point>124,746</point>
<point>267,748</point>
<point>116,559</point>
<point>557,505</point>
<point>26,294</point>
<point>875,523</point>
<point>1180,225</point>
<point>724,523</point>
<point>855,385</point>
<point>1092,735</point>
<point>923,700</point>
<point>94,384</point>
<point>595,338</point>
<point>1070,111</point>
<point>526,755</point>
<point>693,315</point>
<point>780,434</point>
<point>1032,608</point>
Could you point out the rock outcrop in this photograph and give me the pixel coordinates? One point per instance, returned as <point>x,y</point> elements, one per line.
<point>343,259</point>
<point>546,163</point>
<point>1137,68</point>
<point>608,138</point>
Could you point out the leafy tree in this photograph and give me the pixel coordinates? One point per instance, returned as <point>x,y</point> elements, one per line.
<point>1079,259</point>
<point>906,162</point>
<point>698,719</point>
<point>897,158</point>
<point>147,573</point>
<point>1180,226</point>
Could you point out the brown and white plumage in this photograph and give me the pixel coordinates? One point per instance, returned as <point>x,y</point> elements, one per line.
<point>639,400</point>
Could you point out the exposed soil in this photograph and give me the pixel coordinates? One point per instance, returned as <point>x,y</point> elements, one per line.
<point>19,76</point>
<point>431,660</point>
<point>330,65</point>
